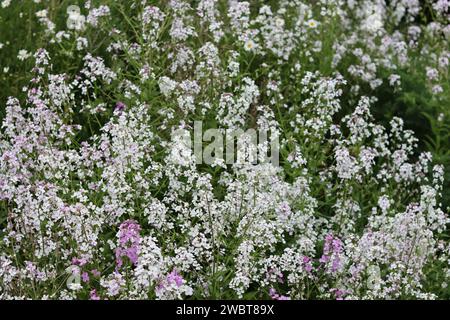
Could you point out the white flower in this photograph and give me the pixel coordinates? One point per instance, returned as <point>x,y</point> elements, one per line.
<point>41,13</point>
<point>167,85</point>
<point>279,22</point>
<point>312,23</point>
<point>249,45</point>
<point>373,23</point>
<point>75,21</point>
<point>437,89</point>
<point>384,203</point>
<point>394,80</point>
<point>73,10</point>
<point>75,286</point>
<point>6,3</point>
<point>23,55</point>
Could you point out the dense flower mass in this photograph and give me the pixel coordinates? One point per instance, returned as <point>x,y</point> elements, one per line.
<point>128,242</point>
<point>99,199</point>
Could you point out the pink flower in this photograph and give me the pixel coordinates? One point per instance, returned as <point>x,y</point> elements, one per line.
<point>129,240</point>
<point>85,277</point>
<point>307,264</point>
<point>174,277</point>
<point>339,294</point>
<point>281,278</point>
<point>79,261</point>
<point>95,272</point>
<point>93,295</point>
<point>275,296</point>
<point>332,249</point>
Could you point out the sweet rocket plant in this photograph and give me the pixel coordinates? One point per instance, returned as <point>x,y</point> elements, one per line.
<point>100,199</point>
<point>129,240</point>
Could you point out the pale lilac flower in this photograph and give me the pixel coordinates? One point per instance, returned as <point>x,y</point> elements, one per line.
<point>174,277</point>
<point>331,252</point>
<point>93,295</point>
<point>95,272</point>
<point>129,240</point>
<point>275,296</point>
<point>339,294</point>
<point>306,262</point>
<point>85,276</point>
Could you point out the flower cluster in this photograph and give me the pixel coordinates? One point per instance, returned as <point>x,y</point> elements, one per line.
<point>129,240</point>
<point>94,188</point>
